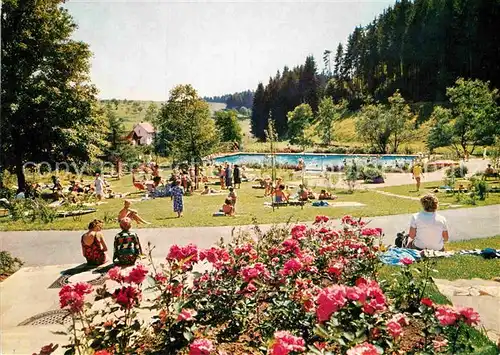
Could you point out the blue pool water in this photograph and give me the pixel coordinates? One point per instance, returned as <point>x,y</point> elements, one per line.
<point>316,161</point>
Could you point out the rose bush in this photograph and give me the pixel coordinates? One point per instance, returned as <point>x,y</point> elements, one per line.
<point>288,291</point>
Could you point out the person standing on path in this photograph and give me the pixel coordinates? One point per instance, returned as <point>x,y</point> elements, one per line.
<point>229,175</point>
<point>222,177</point>
<point>99,186</point>
<point>178,199</point>
<point>417,174</point>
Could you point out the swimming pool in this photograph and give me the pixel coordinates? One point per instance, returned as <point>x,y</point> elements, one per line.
<point>315,161</point>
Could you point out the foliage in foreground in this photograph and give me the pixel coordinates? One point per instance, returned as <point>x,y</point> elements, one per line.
<point>288,291</point>
<point>8,263</point>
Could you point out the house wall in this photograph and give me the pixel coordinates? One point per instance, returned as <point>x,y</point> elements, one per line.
<point>146,138</point>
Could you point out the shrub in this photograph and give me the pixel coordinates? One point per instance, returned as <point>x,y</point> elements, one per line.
<point>290,290</point>
<point>8,263</point>
<point>371,173</point>
<point>481,188</point>
<point>457,172</point>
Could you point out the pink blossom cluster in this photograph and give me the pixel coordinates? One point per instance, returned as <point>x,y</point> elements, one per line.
<point>372,232</point>
<point>321,219</point>
<point>305,293</point>
<point>186,255</point>
<point>258,270</point>
<point>187,315</point>
<point>351,221</point>
<point>363,349</point>
<point>218,257</point>
<point>395,325</point>
<point>135,276</point>
<point>335,297</point>
<point>285,342</point>
<point>72,297</point>
<point>447,315</point>
<point>299,231</point>
<point>127,296</point>
<point>246,250</point>
<point>201,347</point>
<point>290,246</point>
<point>291,267</point>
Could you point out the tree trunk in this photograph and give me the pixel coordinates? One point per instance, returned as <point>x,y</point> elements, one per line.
<point>21,179</point>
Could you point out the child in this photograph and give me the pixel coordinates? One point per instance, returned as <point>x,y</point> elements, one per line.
<point>232,196</point>
<point>227,208</point>
<point>130,213</point>
<point>280,195</point>
<point>127,246</point>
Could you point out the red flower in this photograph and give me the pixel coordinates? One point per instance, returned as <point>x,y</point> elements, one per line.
<point>363,349</point>
<point>291,246</point>
<point>292,266</point>
<point>73,296</point>
<point>394,329</point>
<point>321,219</point>
<point>187,315</point>
<point>127,296</point>
<point>406,261</point>
<point>102,352</point>
<point>446,315</point>
<point>470,316</point>
<point>427,302</point>
<point>115,274</point>
<point>329,301</point>
<point>137,275</point>
<point>252,272</point>
<point>298,232</point>
<point>186,255</point>
<point>284,342</point>
<point>218,257</point>
<point>201,347</point>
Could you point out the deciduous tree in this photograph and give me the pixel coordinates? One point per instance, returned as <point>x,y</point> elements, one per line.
<point>49,107</point>
<point>186,123</point>
<point>228,126</point>
<point>328,114</point>
<point>299,125</point>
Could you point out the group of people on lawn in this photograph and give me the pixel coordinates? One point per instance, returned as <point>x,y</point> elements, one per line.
<point>428,230</point>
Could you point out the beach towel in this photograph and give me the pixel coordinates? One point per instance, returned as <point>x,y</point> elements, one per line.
<point>321,203</point>
<point>393,256</point>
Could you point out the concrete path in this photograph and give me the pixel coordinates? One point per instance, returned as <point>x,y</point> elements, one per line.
<point>38,248</point>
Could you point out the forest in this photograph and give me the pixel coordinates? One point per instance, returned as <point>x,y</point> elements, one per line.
<point>235,100</point>
<point>417,47</point>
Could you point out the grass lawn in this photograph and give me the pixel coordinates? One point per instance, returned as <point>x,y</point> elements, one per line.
<point>409,190</point>
<point>199,209</point>
<point>462,267</point>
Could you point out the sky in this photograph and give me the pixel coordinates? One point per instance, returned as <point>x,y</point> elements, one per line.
<point>142,49</point>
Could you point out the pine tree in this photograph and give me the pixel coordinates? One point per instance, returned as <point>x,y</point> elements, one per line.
<point>260,112</point>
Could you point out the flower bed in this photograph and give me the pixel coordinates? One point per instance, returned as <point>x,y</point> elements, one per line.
<point>289,291</point>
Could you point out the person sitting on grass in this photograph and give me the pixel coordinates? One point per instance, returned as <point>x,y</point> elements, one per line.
<point>428,229</point>
<point>279,194</point>
<point>126,211</point>
<point>228,208</point>
<point>490,172</point>
<point>208,191</point>
<point>127,247</point>
<point>324,195</point>
<point>303,193</point>
<point>93,245</point>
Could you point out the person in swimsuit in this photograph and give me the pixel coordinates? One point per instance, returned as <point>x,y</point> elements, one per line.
<point>126,211</point>
<point>93,245</point>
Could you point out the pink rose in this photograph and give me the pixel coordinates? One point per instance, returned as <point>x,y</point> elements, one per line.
<point>470,316</point>
<point>72,297</point>
<point>127,296</point>
<point>292,266</point>
<point>187,315</point>
<point>329,301</point>
<point>363,349</point>
<point>446,315</point>
<point>115,274</point>
<point>284,342</point>
<point>394,329</point>
<point>137,275</point>
<point>406,261</point>
<point>201,347</point>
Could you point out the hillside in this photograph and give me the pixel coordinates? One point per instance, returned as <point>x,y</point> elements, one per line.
<point>132,111</point>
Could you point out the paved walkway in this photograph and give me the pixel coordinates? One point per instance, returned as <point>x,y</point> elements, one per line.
<point>38,248</point>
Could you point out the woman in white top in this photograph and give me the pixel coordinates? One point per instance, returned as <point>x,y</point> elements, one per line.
<point>428,229</point>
